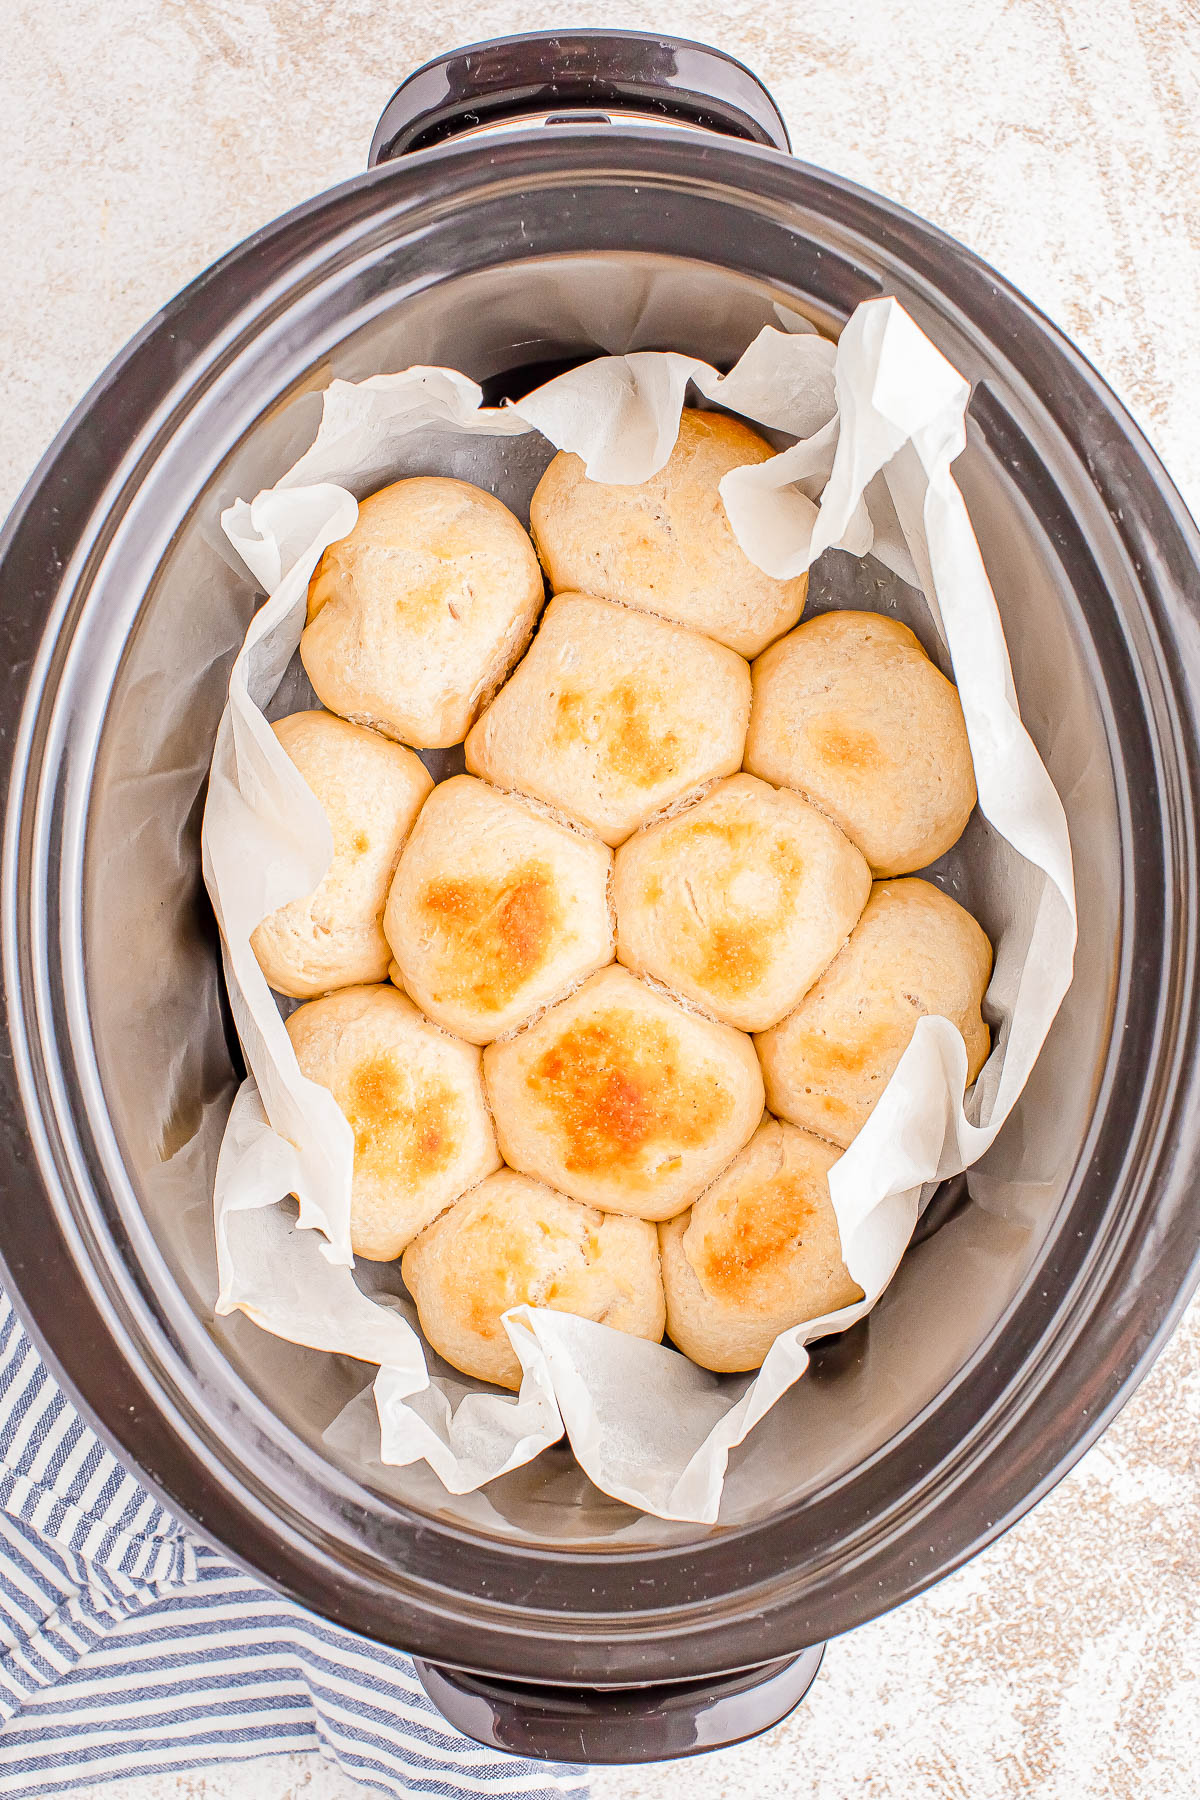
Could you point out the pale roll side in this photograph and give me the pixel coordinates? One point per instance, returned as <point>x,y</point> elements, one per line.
<point>850,712</point>
<point>666,545</point>
<point>370,790</point>
<point>414,1101</point>
<point>416,616</point>
<point>915,951</point>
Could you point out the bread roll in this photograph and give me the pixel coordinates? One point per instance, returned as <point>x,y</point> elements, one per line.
<point>665,545</point>
<point>370,790</point>
<point>414,1100</point>
<point>914,951</point>
<point>418,614</point>
<point>513,1242</point>
<point>850,712</point>
<point>758,1253</point>
<point>612,715</point>
<point>495,909</point>
<point>740,901</point>
<point>621,1098</point>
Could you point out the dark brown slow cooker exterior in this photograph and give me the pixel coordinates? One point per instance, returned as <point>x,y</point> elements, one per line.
<point>1124,1254</point>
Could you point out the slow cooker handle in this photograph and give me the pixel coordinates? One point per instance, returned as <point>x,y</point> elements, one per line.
<point>620,1725</point>
<point>576,77</point>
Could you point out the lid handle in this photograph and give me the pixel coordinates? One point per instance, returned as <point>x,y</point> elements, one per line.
<point>577,77</point>
<point>620,1725</point>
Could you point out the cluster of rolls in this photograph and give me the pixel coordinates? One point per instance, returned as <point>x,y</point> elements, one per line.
<point>603,1011</point>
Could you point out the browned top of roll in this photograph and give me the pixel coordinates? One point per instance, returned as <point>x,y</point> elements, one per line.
<point>496,909</point>
<point>512,1241</point>
<point>612,715</point>
<point>739,901</point>
<point>619,1097</point>
<point>758,1253</point>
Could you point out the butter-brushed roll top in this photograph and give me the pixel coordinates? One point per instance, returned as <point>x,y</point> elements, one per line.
<point>414,1101</point>
<point>914,951</point>
<point>850,712</point>
<point>758,1253</point>
<point>666,545</point>
<point>621,1098</point>
<point>612,715</point>
<point>370,790</point>
<point>495,909</point>
<point>739,901</point>
<point>511,1242</point>
<point>417,615</point>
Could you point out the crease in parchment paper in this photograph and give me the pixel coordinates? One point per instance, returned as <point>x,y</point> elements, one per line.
<point>876,423</point>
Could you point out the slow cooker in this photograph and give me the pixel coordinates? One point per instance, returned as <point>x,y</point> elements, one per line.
<point>530,203</point>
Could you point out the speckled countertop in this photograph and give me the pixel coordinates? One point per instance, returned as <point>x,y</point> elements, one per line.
<point>1061,140</point>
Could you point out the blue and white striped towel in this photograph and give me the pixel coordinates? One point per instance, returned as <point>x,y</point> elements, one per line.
<point>128,1647</point>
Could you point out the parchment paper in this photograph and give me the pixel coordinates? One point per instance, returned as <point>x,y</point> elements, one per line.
<point>876,423</point>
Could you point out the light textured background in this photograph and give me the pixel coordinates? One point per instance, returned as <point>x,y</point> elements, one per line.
<point>140,138</point>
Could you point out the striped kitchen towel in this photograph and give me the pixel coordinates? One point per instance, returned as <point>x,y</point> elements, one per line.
<point>128,1647</point>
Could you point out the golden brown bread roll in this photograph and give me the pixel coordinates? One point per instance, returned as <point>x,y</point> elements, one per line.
<point>758,1253</point>
<point>850,712</point>
<point>613,715</point>
<point>621,1098</point>
<point>914,951</point>
<point>418,614</point>
<point>665,545</point>
<point>512,1241</point>
<point>740,901</point>
<point>370,790</point>
<point>495,909</point>
<point>414,1100</point>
